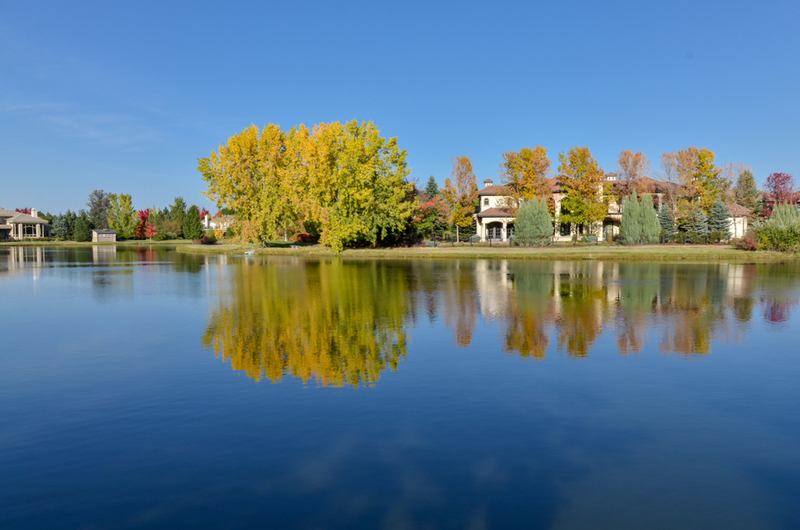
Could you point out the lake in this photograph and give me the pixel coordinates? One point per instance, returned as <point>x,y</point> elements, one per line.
<point>143,387</point>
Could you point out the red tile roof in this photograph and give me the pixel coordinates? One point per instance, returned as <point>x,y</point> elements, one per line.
<point>495,212</point>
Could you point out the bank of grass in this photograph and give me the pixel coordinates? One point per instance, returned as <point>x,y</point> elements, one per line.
<point>77,244</point>
<point>556,252</point>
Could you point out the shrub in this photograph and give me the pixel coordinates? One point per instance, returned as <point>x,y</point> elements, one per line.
<point>782,231</point>
<point>304,238</point>
<point>748,242</point>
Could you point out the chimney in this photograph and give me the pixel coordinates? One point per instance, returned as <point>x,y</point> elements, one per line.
<point>207,222</point>
<point>487,183</point>
<point>34,213</point>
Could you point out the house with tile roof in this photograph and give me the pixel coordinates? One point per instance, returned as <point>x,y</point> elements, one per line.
<point>495,218</point>
<point>19,226</point>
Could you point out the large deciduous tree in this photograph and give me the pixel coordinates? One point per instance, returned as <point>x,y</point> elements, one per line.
<point>582,177</point>
<point>631,168</point>
<point>121,216</point>
<point>99,203</point>
<point>710,181</point>
<point>524,173</point>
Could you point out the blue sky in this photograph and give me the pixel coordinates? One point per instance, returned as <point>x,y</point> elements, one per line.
<point>125,96</point>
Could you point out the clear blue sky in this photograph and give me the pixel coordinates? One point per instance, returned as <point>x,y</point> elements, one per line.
<point>125,96</point>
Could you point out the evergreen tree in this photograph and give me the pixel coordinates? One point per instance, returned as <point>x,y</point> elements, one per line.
<point>60,226</point>
<point>177,213</point>
<point>746,190</point>
<point>630,230</point>
<point>648,220</point>
<point>719,221</point>
<point>432,189</point>
<point>667,222</point>
<point>697,223</point>
<point>70,219</point>
<point>192,225</point>
<point>533,225</point>
<point>82,230</point>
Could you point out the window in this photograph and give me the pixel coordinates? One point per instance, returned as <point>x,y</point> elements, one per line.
<point>565,229</point>
<point>509,231</point>
<point>486,201</point>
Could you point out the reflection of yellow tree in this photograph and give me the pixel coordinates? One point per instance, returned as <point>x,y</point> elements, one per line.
<point>337,323</point>
<point>580,321</point>
<point>530,315</point>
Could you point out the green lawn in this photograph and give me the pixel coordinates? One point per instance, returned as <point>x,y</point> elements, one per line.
<point>557,252</point>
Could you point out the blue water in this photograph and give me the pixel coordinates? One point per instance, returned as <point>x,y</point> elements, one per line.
<point>139,389</point>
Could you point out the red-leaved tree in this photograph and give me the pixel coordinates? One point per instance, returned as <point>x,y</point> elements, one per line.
<point>26,211</point>
<point>150,232</point>
<point>203,213</point>
<point>141,225</point>
<point>781,187</point>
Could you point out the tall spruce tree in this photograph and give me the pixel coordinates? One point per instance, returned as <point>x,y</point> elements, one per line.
<point>432,189</point>
<point>697,224</point>
<point>630,230</point>
<point>746,190</point>
<point>719,221</point>
<point>648,221</point>
<point>533,225</point>
<point>192,225</point>
<point>667,222</point>
<point>82,230</point>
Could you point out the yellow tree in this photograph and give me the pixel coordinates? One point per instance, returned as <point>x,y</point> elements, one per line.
<point>631,167</point>
<point>524,173</point>
<point>582,177</point>
<point>356,184</point>
<point>247,175</point>
<point>710,181</point>
<point>460,194</point>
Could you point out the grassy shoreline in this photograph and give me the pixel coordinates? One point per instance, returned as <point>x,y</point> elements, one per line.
<point>77,244</point>
<point>581,252</point>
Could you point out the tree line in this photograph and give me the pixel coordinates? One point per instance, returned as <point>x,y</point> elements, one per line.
<point>116,212</point>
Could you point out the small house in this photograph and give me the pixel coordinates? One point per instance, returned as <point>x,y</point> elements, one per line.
<point>103,235</point>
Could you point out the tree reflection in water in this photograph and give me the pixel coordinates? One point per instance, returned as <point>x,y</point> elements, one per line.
<point>335,322</point>
<point>341,322</point>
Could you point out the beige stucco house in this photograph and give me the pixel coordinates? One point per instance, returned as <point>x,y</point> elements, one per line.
<point>18,226</point>
<point>495,221</point>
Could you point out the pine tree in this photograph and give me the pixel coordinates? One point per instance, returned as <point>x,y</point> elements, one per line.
<point>82,231</point>
<point>61,226</point>
<point>192,225</point>
<point>533,225</point>
<point>667,222</point>
<point>719,221</point>
<point>432,189</point>
<point>746,190</point>
<point>630,230</point>
<point>697,224</point>
<point>648,220</point>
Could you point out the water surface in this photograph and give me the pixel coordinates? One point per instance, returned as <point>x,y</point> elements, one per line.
<point>148,388</point>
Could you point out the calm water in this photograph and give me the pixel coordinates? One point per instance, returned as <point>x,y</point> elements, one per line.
<point>155,389</point>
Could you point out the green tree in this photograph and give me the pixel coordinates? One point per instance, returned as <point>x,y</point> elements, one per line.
<point>582,177</point>
<point>696,224</point>
<point>60,226</point>
<point>719,221</point>
<point>630,230</point>
<point>648,220</point>
<point>83,227</point>
<point>431,188</point>
<point>121,216</point>
<point>177,213</point>
<point>192,225</point>
<point>667,222</point>
<point>746,190</point>
<point>99,203</point>
<point>533,225</point>
<point>70,217</point>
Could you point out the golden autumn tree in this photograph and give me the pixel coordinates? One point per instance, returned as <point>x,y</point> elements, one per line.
<point>524,173</point>
<point>460,192</point>
<point>344,179</point>
<point>247,175</point>
<point>582,177</point>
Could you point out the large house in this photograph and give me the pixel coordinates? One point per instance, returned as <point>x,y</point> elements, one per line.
<point>18,226</point>
<point>495,219</point>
